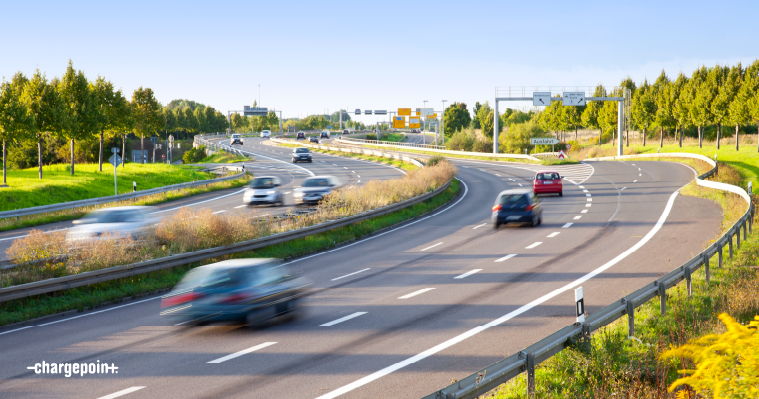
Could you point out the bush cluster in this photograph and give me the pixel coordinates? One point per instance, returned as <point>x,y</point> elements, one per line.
<point>194,154</point>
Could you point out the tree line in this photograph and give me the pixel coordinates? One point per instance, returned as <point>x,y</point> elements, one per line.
<point>712,97</point>
<point>42,113</point>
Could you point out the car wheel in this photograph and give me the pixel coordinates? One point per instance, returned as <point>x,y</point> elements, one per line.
<point>535,221</point>
<point>309,161</point>
<point>496,225</point>
<point>294,161</point>
<point>561,193</point>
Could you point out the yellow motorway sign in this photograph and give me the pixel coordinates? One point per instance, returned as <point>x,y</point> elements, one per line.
<point>399,122</point>
<point>431,116</point>
<point>404,111</point>
<point>413,123</point>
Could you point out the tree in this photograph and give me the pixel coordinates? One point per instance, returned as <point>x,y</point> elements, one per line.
<point>572,117</point>
<point>15,120</point>
<point>171,121</point>
<point>146,112</point>
<point>517,138</point>
<point>681,106</point>
<point>704,93</point>
<point>45,107</point>
<point>475,111</point>
<point>725,87</point>
<point>237,122</point>
<point>200,116</point>
<point>110,112</point>
<point>644,108</point>
<point>752,72</point>
<point>738,111</point>
<point>80,104</point>
<point>190,122</point>
<point>456,118</point>
<point>484,119</point>
<point>662,88</point>
<point>590,114</point>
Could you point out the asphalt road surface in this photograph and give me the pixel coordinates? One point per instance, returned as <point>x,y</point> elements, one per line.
<point>434,299</point>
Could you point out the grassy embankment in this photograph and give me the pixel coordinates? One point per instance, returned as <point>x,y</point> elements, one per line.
<point>224,157</point>
<point>372,158</point>
<point>612,365</point>
<point>57,185</point>
<point>205,229</point>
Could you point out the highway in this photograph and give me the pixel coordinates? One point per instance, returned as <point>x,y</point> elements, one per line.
<point>401,313</point>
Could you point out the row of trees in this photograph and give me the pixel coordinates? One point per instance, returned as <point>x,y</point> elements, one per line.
<point>72,108</point>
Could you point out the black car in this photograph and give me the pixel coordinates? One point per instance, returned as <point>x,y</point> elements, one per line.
<point>517,206</point>
<point>300,135</point>
<point>250,290</point>
<point>314,139</point>
<point>301,154</point>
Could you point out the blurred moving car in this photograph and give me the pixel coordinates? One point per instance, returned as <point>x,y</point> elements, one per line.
<point>119,222</point>
<point>314,139</point>
<point>547,182</point>
<point>314,189</point>
<point>265,133</point>
<point>264,190</point>
<point>250,290</point>
<point>324,134</point>
<point>301,154</point>
<point>517,206</point>
<point>236,139</point>
<point>300,135</point>
<point>346,131</point>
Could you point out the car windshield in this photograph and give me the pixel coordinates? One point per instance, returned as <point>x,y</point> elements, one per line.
<point>302,150</point>
<point>263,182</point>
<point>235,136</point>
<point>547,176</point>
<point>513,199</point>
<point>316,183</point>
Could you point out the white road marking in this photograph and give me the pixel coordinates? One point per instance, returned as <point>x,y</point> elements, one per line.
<point>348,275</point>
<point>584,191</point>
<point>590,199</point>
<point>533,245</point>
<point>622,188</point>
<point>241,206</point>
<point>581,186</point>
<point>520,184</point>
<point>334,164</point>
<point>359,176</point>
<point>469,273</point>
<point>577,217</point>
<point>640,174</point>
<point>509,256</point>
<point>242,352</point>
<point>13,238</point>
<point>512,180</point>
<point>344,167</point>
<point>554,234</point>
<point>635,181</point>
<point>477,227</point>
<point>201,202</point>
<point>353,171</point>
<point>584,211</point>
<point>18,329</point>
<point>213,213</point>
<point>350,187</point>
<point>498,175</point>
<point>566,226</point>
<point>415,293</point>
<point>99,311</point>
<point>286,192</point>
<point>587,195</point>
<point>342,319</point>
<point>358,181</point>
<point>121,393</point>
<point>588,205</point>
<point>432,246</point>
<point>638,168</point>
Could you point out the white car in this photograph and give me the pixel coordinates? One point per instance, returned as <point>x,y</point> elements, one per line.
<point>314,189</point>
<point>264,190</point>
<point>236,139</point>
<point>265,133</point>
<point>120,221</point>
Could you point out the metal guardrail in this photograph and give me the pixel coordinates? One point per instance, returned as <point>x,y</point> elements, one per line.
<point>117,272</point>
<point>443,152</point>
<point>113,198</point>
<point>396,144</point>
<point>365,151</point>
<point>500,372</point>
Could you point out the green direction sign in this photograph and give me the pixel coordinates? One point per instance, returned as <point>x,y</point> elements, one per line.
<point>544,141</point>
<point>115,160</point>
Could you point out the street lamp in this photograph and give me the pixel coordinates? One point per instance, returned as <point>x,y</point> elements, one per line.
<point>425,106</point>
<point>443,118</point>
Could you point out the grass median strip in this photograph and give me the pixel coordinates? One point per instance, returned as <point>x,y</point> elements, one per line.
<point>372,158</point>
<point>144,284</point>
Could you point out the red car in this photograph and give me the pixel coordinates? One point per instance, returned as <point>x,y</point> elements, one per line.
<point>547,182</point>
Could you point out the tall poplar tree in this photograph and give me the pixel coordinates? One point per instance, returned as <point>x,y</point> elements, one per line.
<point>146,112</point>
<point>704,92</point>
<point>644,108</point>
<point>45,107</point>
<point>80,105</point>
<point>15,119</point>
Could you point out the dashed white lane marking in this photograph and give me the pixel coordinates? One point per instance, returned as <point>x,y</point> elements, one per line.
<point>121,393</point>
<point>213,213</point>
<point>201,202</point>
<point>554,234</point>
<point>566,226</point>
<point>587,195</point>
<point>433,246</point>
<point>334,164</point>
<point>512,180</point>
<point>584,211</point>
<point>509,256</point>
<point>359,176</point>
<point>588,205</point>
<point>242,352</point>
<point>577,217</point>
<point>590,199</point>
<point>353,171</point>
<point>622,188</point>
<point>415,293</point>
<point>469,273</point>
<point>344,167</point>
<point>350,187</point>
<point>238,207</point>
<point>287,192</point>
<point>584,191</point>
<point>638,168</point>
<point>342,319</point>
<point>581,186</point>
<point>358,181</point>
<point>640,174</point>
<point>531,246</point>
<point>350,274</point>
<point>498,175</point>
<point>635,181</point>
<point>22,328</point>
<point>520,184</point>
<point>477,227</point>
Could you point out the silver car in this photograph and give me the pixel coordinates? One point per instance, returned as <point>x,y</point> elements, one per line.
<point>314,189</point>
<point>264,190</point>
<point>120,221</point>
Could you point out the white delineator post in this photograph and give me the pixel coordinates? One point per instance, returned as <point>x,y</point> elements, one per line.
<point>579,305</point>
<point>620,125</point>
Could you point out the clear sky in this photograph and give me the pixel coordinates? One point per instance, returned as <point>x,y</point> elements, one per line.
<point>313,56</point>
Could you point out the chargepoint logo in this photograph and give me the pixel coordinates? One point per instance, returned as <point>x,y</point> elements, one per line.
<point>69,369</point>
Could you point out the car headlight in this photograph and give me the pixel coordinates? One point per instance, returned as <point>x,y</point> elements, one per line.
<point>297,194</point>
<point>271,192</point>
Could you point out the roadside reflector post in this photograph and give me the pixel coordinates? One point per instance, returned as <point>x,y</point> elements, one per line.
<point>688,282</point>
<point>134,186</point>
<point>706,267</point>
<point>719,255</point>
<point>579,305</point>
<point>662,297</point>
<point>630,317</point>
<point>530,375</point>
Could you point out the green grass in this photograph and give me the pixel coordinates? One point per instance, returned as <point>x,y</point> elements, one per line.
<point>224,157</point>
<point>57,185</point>
<point>393,137</point>
<point>114,291</point>
<point>430,153</point>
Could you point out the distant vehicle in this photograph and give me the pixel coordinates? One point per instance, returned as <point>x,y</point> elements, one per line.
<point>314,139</point>
<point>264,190</point>
<point>415,131</point>
<point>248,290</point>
<point>236,139</point>
<point>114,222</point>
<point>517,206</point>
<point>301,135</point>
<point>301,154</point>
<point>324,134</point>
<point>265,133</point>
<point>547,182</point>
<point>346,131</point>
<point>314,189</point>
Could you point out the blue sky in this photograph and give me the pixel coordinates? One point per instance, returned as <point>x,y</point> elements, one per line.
<point>310,56</point>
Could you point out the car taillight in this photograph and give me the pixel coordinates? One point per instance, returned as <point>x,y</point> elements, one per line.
<point>179,299</point>
<point>529,207</point>
<point>496,208</point>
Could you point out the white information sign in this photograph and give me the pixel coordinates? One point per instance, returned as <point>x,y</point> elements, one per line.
<point>541,99</point>
<point>544,141</point>
<point>574,98</point>
<point>423,112</point>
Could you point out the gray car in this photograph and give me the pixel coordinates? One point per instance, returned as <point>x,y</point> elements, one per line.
<point>116,222</point>
<point>301,154</point>
<point>314,189</point>
<point>264,190</point>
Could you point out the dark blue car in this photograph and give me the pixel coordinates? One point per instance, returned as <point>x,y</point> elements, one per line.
<point>517,206</point>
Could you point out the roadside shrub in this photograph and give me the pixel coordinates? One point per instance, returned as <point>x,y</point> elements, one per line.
<point>194,155</point>
<point>432,161</point>
<point>371,136</point>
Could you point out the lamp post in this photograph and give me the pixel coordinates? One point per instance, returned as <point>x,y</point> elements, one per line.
<point>442,117</point>
<point>425,106</point>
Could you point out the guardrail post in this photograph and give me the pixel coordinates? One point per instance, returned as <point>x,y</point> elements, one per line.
<point>706,267</point>
<point>730,243</point>
<point>630,317</point>
<point>662,297</point>
<point>688,282</point>
<point>719,255</point>
<point>738,238</point>
<point>745,229</point>
<point>530,375</point>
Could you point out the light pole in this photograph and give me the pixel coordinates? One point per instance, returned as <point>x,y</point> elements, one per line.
<point>442,117</point>
<point>425,106</point>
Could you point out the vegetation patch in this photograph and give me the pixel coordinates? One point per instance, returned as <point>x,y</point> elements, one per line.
<point>373,158</point>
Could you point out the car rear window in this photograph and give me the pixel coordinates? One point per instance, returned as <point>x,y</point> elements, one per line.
<point>316,183</point>
<point>224,278</point>
<point>513,199</point>
<point>547,176</point>
<point>262,183</point>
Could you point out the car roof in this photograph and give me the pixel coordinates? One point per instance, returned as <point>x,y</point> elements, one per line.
<point>320,177</point>
<point>546,171</point>
<point>300,148</point>
<point>266,177</point>
<point>243,262</point>
<point>516,191</point>
<point>125,208</point>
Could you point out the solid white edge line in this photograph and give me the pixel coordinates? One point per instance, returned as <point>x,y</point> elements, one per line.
<point>121,393</point>
<point>13,238</point>
<point>99,311</point>
<point>477,227</point>
<point>213,213</point>
<point>342,319</point>
<point>350,274</point>
<point>469,273</point>
<point>584,211</point>
<point>22,328</point>
<point>201,202</point>
<point>509,256</point>
<point>474,331</point>
<point>432,246</point>
<point>241,206</point>
<point>415,293</point>
<point>531,246</point>
<point>242,352</point>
